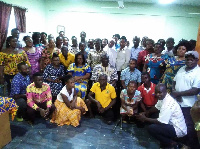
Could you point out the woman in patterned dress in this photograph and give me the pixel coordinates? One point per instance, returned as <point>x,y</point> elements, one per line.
<point>81,73</point>
<point>9,59</point>
<point>33,53</point>
<point>53,75</point>
<point>154,64</point>
<point>173,64</point>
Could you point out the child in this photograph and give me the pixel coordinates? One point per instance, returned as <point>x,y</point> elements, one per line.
<point>130,98</point>
<point>69,107</point>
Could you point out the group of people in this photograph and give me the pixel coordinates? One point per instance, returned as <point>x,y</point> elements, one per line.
<point>150,84</point>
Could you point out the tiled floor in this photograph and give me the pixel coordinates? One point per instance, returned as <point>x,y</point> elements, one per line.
<point>91,134</point>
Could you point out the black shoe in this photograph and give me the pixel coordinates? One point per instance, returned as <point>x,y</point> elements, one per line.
<point>108,122</point>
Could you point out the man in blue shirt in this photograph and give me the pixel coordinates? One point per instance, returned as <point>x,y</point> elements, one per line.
<point>18,89</point>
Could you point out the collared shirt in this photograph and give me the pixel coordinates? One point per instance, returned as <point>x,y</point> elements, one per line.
<point>66,62</point>
<point>110,71</point>
<point>104,97</point>
<point>169,53</point>
<point>171,113</point>
<point>135,52</point>
<point>38,95</point>
<point>128,76</point>
<point>185,80</point>
<point>123,57</point>
<point>74,50</point>
<point>19,84</point>
<point>112,53</point>
<point>94,57</point>
<point>148,96</point>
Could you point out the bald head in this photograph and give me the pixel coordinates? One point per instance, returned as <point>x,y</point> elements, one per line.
<point>160,91</point>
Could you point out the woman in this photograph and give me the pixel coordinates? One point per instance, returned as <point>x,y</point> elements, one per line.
<point>81,73</point>
<point>53,75</point>
<point>94,56</point>
<point>33,53</point>
<point>9,59</point>
<point>59,42</point>
<point>43,39</point>
<point>36,40</point>
<point>154,64</point>
<point>69,107</point>
<point>47,53</point>
<point>173,64</point>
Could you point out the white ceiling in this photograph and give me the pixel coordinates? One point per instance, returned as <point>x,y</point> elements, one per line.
<point>180,2</point>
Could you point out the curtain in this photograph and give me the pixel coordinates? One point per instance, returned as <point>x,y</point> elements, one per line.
<point>5,11</point>
<point>20,18</point>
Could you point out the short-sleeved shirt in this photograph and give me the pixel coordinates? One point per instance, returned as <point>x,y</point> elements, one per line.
<point>104,97</point>
<point>185,80</point>
<point>127,75</point>
<point>171,113</point>
<point>110,71</point>
<point>135,52</point>
<point>148,96</point>
<point>66,62</point>
<point>65,92</point>
<point>19,84</point>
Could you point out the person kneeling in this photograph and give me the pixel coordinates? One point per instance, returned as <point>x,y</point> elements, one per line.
<point>130,99</point>
<point>39,98</point>
<point>69,107</point>
<point>170,123</point>
<point>104,99</point>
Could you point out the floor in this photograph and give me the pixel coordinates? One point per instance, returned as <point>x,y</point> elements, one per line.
<point>91,134</point>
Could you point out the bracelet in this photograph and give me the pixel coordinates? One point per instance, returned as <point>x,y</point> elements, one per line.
<point>197,126</point>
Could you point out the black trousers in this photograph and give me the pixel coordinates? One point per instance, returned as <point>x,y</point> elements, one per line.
<point>192,139</point>
<point>165,133</point>
<point>22,103</point>
<point>8,79</point>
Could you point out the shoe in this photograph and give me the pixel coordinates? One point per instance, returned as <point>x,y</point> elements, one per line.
<point>19,119</point>
<point>108,122</point>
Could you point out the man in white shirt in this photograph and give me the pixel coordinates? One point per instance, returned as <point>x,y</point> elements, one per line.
<point>136,48</point>
<point>111,52</point>
<point>170,47</point>
<point>170,123</point>
<point>186,86</point>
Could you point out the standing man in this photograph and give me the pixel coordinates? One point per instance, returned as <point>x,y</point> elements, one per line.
<point>136,48</point>
<point>170,47</point>
<point>186,86</point>
<point>170,124</point>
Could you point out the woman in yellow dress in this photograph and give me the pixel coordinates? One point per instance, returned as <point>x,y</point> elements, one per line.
<point>69,107</point>
<point>9,59</point>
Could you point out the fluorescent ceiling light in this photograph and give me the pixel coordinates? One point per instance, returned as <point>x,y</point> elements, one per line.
<point>195,13</point>
<point>166,1</point>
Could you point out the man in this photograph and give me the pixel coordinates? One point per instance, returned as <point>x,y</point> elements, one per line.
<point>185,88</point>
<point>104,42</point>
<point>82,49</point>
<point>18,89</point>
<point>131,73</point>
<point>105,68</point>
<point>39,98</point>
<point>170,47</point>
<point>74,47</point>
<point>162,42</point>
<point>136,48</point>
<point>141,56</point>
<point>143,42</point>
<point>66,58</point>
<point>170,123</point>
<point>61,34</point>
<point>104,100</point>
<point>83,36</point>
<point>116,38</point>
<point>111,52</point>
<point>147,90</point>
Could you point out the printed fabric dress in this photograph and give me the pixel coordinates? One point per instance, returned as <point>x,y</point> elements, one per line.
<point>172,67</point>
<point>155,66</point>
<point>63,114</point>
<point>136,98</point>
<point>34,59</point>
<point>54,73</point>
<point>81,87</point>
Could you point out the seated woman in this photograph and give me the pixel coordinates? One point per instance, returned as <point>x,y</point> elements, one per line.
<point>130,99</point>
<point>81,73</point>
<point>154,64</point>
<point>69,107</point>
<point>53,74</point>
<point>39,98</point>
<point>173,64</point>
